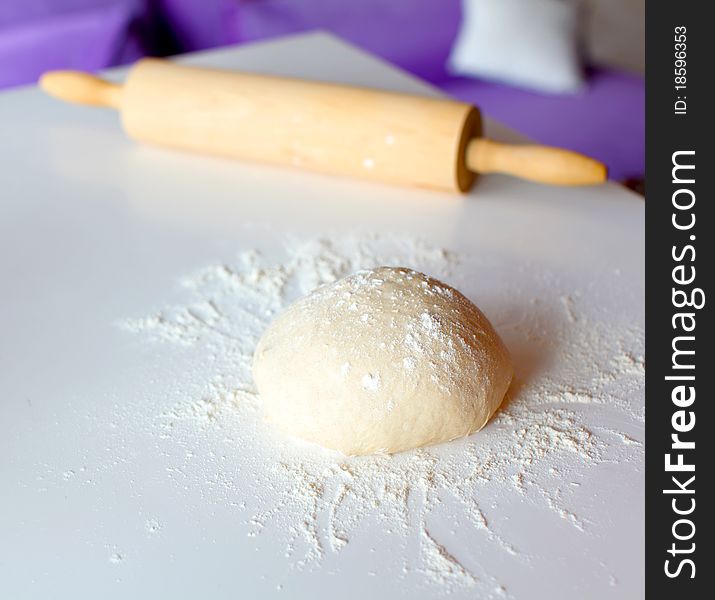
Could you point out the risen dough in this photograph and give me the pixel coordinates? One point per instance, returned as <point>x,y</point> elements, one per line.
<point>381,361</point>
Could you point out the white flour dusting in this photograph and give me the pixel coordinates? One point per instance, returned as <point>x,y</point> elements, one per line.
<point>538,447</point>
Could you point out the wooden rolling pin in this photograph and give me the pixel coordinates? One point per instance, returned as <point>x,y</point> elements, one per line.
<point>336,129</point>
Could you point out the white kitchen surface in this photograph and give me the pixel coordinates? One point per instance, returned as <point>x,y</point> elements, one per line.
<point>95,229</point>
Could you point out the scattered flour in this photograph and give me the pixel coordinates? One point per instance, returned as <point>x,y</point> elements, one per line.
<point>371,382</point>
<point>152,526</point>
<point>537,447</point>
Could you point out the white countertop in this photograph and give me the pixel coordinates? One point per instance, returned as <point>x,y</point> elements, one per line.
<point>95,229</point>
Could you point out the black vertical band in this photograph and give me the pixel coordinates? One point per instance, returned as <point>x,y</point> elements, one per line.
<point>680,48</point>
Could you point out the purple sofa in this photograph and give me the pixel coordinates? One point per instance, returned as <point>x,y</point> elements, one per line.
<point>606,120</point>
<point>37,35</point>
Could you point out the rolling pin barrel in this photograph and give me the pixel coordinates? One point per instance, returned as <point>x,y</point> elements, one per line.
<point>342,130</point>
<point>335,129</point>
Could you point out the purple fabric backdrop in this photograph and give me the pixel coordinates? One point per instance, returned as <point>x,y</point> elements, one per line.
<point>36,36</point>
<point>200,24</point>
<point>414,34</point>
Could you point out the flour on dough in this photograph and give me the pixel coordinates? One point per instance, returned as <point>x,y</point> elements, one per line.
<point>384,360</point>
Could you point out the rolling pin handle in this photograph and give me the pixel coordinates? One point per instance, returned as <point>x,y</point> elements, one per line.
<point>82,88</point>
<point>543,164</point>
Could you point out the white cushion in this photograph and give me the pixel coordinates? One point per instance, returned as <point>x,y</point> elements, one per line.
<point>528,43</point>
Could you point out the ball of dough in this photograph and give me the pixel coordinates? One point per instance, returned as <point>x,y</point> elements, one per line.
<point>381,361</point>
